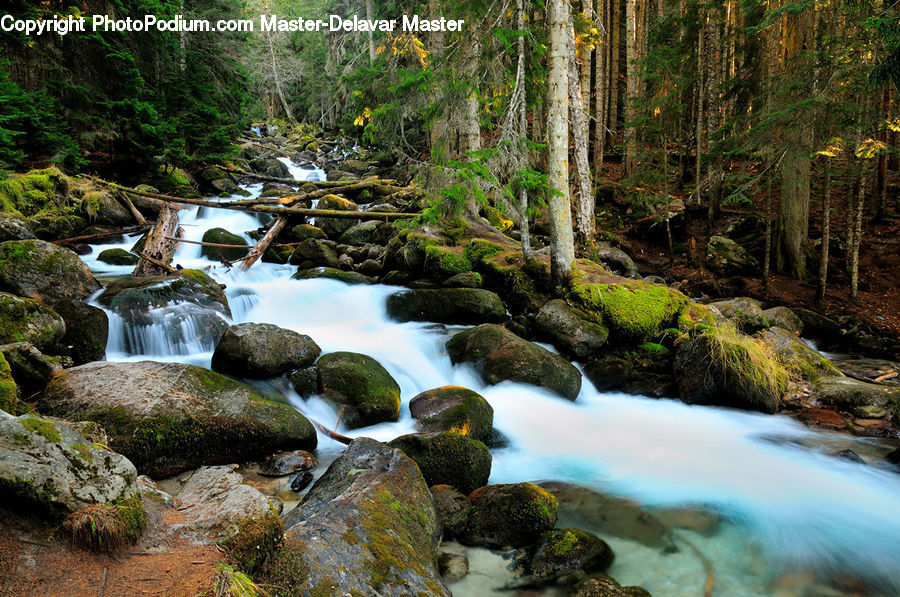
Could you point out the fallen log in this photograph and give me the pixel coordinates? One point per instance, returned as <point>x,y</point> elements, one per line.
<point>332,434</point>
<point>159,249</point>
<point>383,191</point>
<point>138,216</point>
<point>99,235</point>
<point>205,244</point>
<point>322,184</point>
<point>263,244</point>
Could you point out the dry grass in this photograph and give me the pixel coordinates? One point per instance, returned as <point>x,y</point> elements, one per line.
<point>234,583</point>
<point>98,528</point>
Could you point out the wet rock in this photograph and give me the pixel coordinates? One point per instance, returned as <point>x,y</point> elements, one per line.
<point>87,330</point>
<point>498,355</point>
<point>816,325</point>
<point>101,206</point>
<point>300,481</point>
<point>646,371</point>
<point>335,227</point>
<point>305,381</point>
<point>41,270</point>
<point>569,329</point>
<point>345,262</point>
<point>453,566</point>
<point>27,320</point>
<point>566,555</point>
<point>744,312</point>
<point>30,368</point>
<point>304,231</point>
<point>820,418</point>
<point>270,167</point>
<point>849,455</point>
<point>727,258</point>
<point>453,509</point>
<point>794,354</point>
<point>220,236</point>
<point>371,516</point>
<point>315,252</point>
<point>331,273</point>
<point>615,259</point>
<point>13,227</point>
<point>220,508</point>
<point>447,305</point>
<point>118,257</point>
<point>784,318</point>
<point>846,393</point>
<point>360,234</point>
<point>369,267</point>
<point>513,515</point>
<point>47,468</point>
<point>287,463</point>
<point>601,585</point>
<point>262,350</point>
<point>448,458</point>
<point>464,280</point>
<point>9,392</point>
<point>361,385</point>
<point>169,417</point>
<point>871,370</point>
<point>453,408</point>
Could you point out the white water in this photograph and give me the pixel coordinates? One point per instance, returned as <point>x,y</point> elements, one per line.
<point>788,502</point>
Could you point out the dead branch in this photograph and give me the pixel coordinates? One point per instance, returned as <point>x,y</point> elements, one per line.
<point>263,244</point>
<point>99,235</point>
<point>159,250</point>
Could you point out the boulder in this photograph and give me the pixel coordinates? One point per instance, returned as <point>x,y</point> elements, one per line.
<point>453,408</point>
<point>101,206</point>
<point>192,305</point>
<point>13,227</point>
<point>330,273</point>
<point>335,227</point>
<point>745,313</point>
<point>304,231</point>
<point>453,566</point>
<point>169,417</point>
<point>644,371</point>
<point>48,468</point>
<point>262,350</point>
<point>361,385</point>
<point>287,463</point>
<point>785,318</point>
<point>41,270</point>
<point>270,167</point>
<point>464,280</point>
<point>9,392</point>
<point>448,458</point>
<point>87,330</point>
<point>727,258</point>
<point>870,370</point>
<point>567,554</point>
<point>499,355</point>
<point>314,252</point>
<point>220,508</point>
<point>601,585</point>
<point>569,329</point>
<point>794,354</point>
<point>453,509</point>
<point>847,394</point>
<point>726,368</point>
<point>28,320</point>
<point>30,368</point>
<point>366,527</point>
<point>615,259</point>
<point>447,305</point>
<point>360,234</point>
<point>220,236</point>
<point>118,257</point>
<point>509,515</point>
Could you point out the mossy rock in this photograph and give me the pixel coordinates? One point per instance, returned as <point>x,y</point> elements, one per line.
<point>170,417</point>
<point>564,553</point>
<point>359,383</point>
<point>744,312</point>
<point>262,350</point>
<point>304,231</point>
<point>316,252</point>
<point>448,458</point>
<point>447,305</point>
<point>30,368</point>
<point>53,226</point>
<point>335,227</point>
<point>695,317</point>
<point>87,330</point>
<point>9,393</point>
<point>331,273</point>
<point>453,408</point>
<point>29,193</point>
<point>478,250</point>
<point>101,206</point>
<point>570,330</point>
<point>849,394</point>
<point>221,236</point>
<point>601,585</point>
<point>27,320</point>
<point>784,318</point>
<point>442,262</point>
<point>38,269</point>
<point>118,257</point>
<point>510,515</point>
<point>14,227</point>
<point>800,359</point>
<point>632,311</point>
<point>360,234</point>
<point>721,366</point>
<point>464,280</point>
<point>453,509</point>
<point>499,355</point>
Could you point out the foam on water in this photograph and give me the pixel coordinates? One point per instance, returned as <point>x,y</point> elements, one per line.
<point>788,502</point>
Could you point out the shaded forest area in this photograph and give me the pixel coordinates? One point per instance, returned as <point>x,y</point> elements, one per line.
<point>718,142</point>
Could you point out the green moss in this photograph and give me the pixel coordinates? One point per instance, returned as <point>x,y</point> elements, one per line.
<point>515,514</point>
<point>9,398</point>
<point>27,194</point>
<point>441,262</point>
<point>256,540</point>
<point>695,317</point>
<point>748,361</point>
<point>448,458</point>
<point>653,348</point>
<point>44,428</point>
<point>478,250</point>
<point>84,451</point>
<point>633,311</point>
<point>133,516</point>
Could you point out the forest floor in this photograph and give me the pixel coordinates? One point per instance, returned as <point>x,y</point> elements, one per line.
<point>878,302</point>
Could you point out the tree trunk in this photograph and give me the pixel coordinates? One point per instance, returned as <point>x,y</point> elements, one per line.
<point>585,57</point>
<point>585,199</point>
<point>701,87</point>
<point>369,17</point>
<point>277,78</point>
<point>857,234</point>
<point>523,129</point>
<point>159,248</point>
<point>600,99</point>
<point>826,237</point>
<point>562,247</point>
<point>614,71</point>
<point>767,259</point>
<point>631,83</point>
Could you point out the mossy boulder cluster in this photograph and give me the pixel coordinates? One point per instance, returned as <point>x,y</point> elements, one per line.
<point>169,417</point>
<point>28,320</point>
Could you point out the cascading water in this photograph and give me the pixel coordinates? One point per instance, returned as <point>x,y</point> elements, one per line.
<point>787,502</point>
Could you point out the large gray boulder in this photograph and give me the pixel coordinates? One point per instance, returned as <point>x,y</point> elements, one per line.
<point>44,271</point>
<point>745,313</point>
<point>727,258</point>
<point>785,318</point>
<point>263,350</point>
<point>453,408</point>
<point>569,329</point>
<point>499,355</point>
<point>794,354</point>
<point>847,393</point>
<point>368,527</point>
<point>360,385</point>
<point>169,417</point>
<point>335,227</point>
<point>13,227</point>
<point>28,320</point>
<point>47,467</point>
<point>447,305</point>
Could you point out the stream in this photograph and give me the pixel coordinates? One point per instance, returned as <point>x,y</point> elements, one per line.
<point>794,520</point>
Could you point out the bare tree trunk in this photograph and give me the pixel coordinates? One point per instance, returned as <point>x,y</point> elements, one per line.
<point>767,259</point>
<point>714,115</point>
<point>631,83</point>
<point>440,128</point>
<point>523,128</point>
<point>585,200</point>
<point>585,56</point>
<point>369,17</point>
<point>470,130</point>
<point>277,78</point>
<point>614,71</point>
<point>600,98</point>
<point>562,246</point>
<point>701,86</point>
<point>159,248</point>
<point>857,234</point>
<point>826,237</point>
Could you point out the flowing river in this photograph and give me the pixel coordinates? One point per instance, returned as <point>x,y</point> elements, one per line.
<point>792,515</point>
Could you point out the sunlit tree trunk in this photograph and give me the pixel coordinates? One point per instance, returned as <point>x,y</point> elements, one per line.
<point>614,70</point>
<point>562,247</point>
<point>857,233</point>
<point>585,201</point>
<point>701,93</point>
